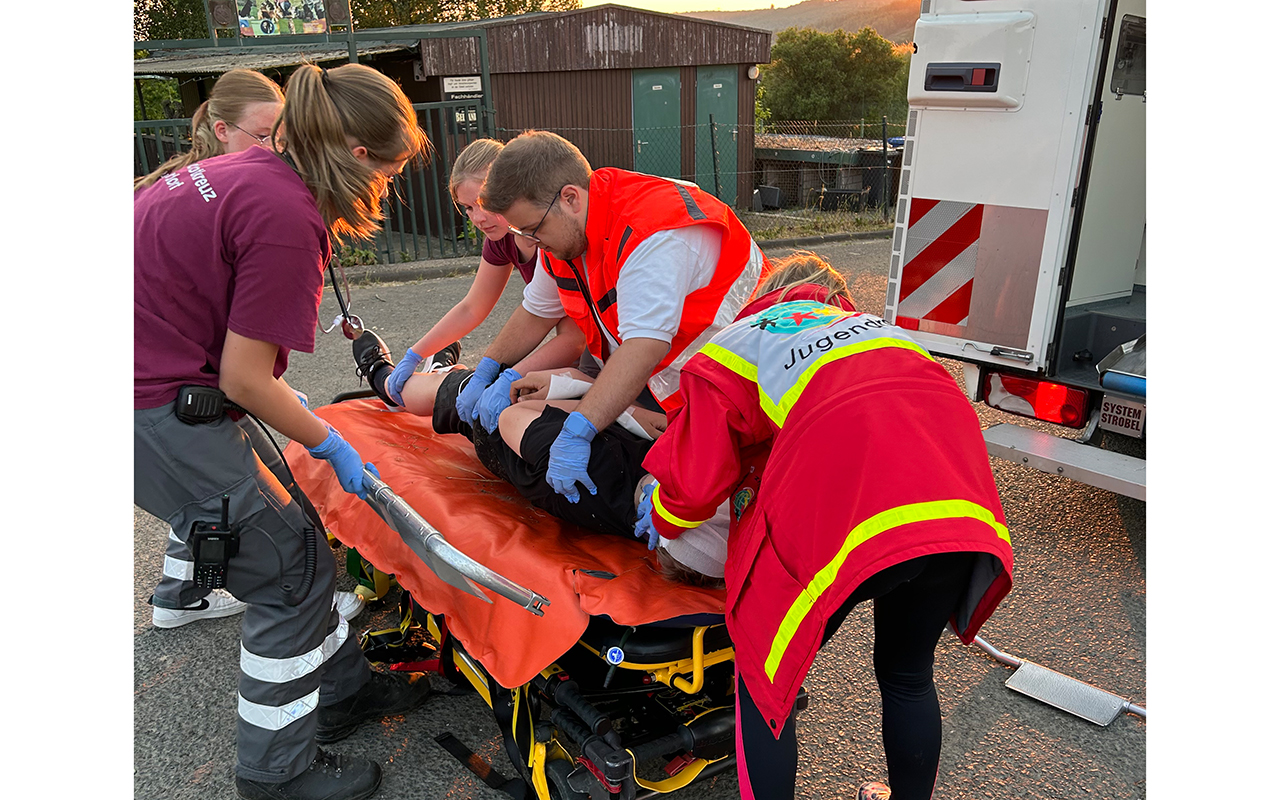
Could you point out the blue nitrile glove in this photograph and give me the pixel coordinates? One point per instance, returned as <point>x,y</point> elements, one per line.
<point>570,452</point>
<point>345,462</point>
<point>469,397</point>
<point>496,398</point>
<point>400,375</point>
<point>302,398</point>
<point>644,523</point>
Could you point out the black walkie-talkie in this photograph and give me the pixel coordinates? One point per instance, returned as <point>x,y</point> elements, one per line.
<point>214,544</point>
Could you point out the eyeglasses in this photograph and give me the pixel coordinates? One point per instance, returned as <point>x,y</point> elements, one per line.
<point>532,234</point>
<point>262,140</point>
<point>351,324</point>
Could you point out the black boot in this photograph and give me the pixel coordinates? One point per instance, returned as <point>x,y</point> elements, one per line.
<point>373,363</point>
<point>445,358</point>
<point>330,777</point>
<point>383,696</point>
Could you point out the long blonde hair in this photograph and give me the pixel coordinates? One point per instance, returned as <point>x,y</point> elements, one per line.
<point>473,163</point>
<point>325,108</point>
<point>234,92</point>
<point>802,267</point>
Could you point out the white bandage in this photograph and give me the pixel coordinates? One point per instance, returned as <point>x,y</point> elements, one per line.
<point>629,422</point>
<point>565,387</point>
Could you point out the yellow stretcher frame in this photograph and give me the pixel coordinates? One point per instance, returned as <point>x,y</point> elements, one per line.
<point>670,673</point>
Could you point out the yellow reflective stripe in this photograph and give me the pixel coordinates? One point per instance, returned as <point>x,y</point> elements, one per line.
<point>884,521</point>
<point>778,411</point>
<point>730,359</point>
<point>668,516</point>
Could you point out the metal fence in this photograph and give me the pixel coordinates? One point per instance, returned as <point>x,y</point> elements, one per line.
<point>828,165</point>
<point>819,166</point>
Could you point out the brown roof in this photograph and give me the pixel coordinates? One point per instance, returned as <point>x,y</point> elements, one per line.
<point>217,60</point>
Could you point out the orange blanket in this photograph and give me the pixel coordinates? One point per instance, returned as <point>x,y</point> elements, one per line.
<point>488,520</point>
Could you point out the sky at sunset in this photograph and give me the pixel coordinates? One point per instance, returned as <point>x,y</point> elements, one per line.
<point>680,6</point>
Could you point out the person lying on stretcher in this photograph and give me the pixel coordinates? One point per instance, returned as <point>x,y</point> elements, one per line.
<point>519,450</point>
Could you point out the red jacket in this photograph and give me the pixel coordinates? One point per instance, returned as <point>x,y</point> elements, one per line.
<point>626,208</point>
<point>846,449</point>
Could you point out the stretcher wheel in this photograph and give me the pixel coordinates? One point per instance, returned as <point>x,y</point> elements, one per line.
<point>558,771</point>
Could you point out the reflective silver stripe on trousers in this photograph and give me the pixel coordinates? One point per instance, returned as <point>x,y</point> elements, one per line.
<point>273,718</point>
<point>667,382</point>
<point>178,569</point>
<point>283,670</point>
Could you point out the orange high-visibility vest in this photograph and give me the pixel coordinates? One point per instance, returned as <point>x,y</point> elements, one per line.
<point>625,209</point>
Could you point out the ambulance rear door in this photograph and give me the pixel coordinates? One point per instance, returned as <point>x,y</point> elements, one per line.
<point>998,93</point>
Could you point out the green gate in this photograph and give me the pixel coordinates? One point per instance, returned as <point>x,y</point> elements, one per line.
<point>715,148</point>
<point>655,121</point>
<point>420,220</point>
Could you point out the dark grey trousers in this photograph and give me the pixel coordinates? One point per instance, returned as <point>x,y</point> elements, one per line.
<point>296,652</point>
<point>177,587</point>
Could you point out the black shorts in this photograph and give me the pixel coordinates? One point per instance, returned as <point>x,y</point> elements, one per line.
<point>614,464</point>
<point>444,419</point>
<point>614,467</point>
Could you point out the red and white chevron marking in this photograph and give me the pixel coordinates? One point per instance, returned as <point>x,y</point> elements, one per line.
<point>940,257</point>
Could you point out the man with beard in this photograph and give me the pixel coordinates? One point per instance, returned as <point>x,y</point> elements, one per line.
<point>649,268</point>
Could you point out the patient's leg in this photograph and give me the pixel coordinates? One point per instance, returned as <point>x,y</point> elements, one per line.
<point>529,429</point>
<point>516,418</point>
<point>419,393</point>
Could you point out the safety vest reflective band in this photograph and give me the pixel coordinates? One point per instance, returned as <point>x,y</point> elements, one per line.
<point>273,718</point>
<point>667,515</point>
<point>884,521</point>
<point>776,348</point>
<point>283,670</point>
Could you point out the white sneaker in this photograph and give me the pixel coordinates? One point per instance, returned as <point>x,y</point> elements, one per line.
<point>349,604</point>
<point>218,603</point>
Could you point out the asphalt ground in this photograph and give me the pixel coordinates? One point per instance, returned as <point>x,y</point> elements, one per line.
<point>1078,606</point>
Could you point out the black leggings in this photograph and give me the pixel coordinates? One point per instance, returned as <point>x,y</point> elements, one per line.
<point>913,602</point>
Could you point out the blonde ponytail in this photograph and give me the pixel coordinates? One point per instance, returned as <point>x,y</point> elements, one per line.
<point>233,93</point>
<point>329,112</point>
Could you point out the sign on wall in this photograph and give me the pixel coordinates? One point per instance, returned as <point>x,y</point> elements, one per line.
<point>462,88</point>
<point>281,17</point>
<point>466,87</point>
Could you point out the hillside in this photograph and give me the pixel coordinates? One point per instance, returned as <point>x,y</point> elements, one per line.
<point>895,20</point>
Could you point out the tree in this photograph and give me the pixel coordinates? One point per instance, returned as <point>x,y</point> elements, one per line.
<point>169,19</point>
<point>185,19</point>
<point>390,13</point>
<point>821,76</point>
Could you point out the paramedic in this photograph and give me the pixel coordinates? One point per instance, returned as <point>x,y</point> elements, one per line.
<point>228,261</point>
<point>241,110</point>
<point>654,269</point>
<point>503,253</point>
<point>856,470</point>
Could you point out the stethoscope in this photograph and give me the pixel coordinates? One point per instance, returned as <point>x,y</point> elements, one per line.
<point>352,326</point>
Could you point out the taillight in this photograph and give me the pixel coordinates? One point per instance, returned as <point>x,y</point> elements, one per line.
<point>1044,400</point>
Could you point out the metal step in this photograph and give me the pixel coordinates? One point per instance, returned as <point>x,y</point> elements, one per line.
<point>1104,469</point>
<point>1062,691</point>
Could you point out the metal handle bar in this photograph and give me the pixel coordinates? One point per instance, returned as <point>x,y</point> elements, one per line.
<point>448,563</point>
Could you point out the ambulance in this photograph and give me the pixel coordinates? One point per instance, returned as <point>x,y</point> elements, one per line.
<point>1019,242</point>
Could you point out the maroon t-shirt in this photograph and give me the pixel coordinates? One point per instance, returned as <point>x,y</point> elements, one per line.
<point>504,251</point>
<point>229,243</point>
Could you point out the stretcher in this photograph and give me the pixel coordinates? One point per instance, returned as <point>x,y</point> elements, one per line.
<point>606,679</point>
